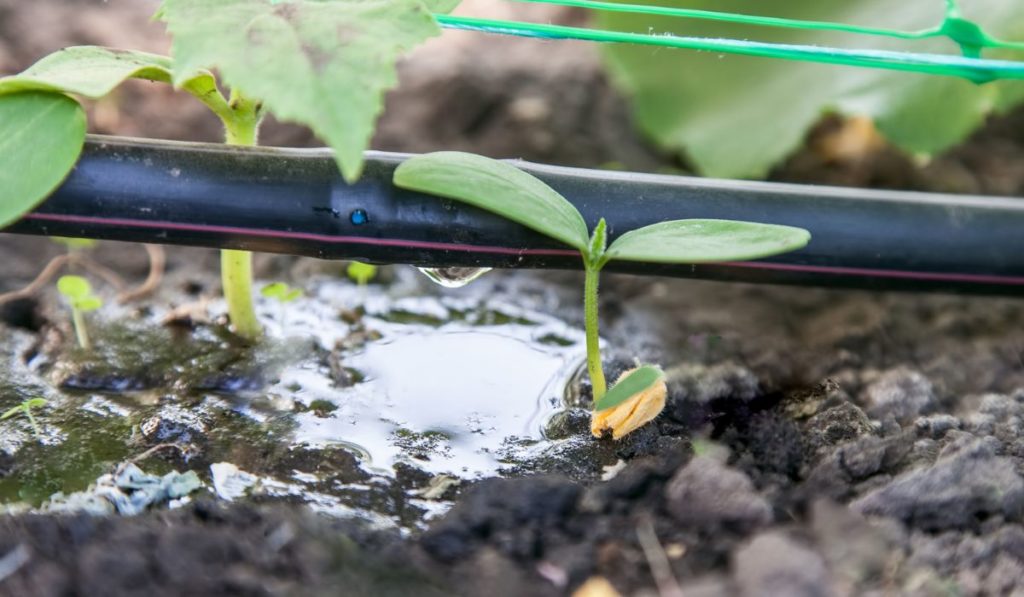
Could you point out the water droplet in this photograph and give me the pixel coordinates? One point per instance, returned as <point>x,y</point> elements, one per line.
<point>358,217</point>
<point>454,277</point>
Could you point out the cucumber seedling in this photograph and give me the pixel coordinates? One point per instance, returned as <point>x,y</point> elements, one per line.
<point>283,294</point>
<point>78,292</point>
<point>322,63</point>
<point>639,395</point>
<point>361,273</point>
<point>25,408</point>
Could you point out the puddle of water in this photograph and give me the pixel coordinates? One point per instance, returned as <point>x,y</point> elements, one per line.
<point>446,401</point>
<point>418,386</point>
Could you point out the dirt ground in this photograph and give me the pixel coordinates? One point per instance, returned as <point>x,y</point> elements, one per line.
<point>816,442</point>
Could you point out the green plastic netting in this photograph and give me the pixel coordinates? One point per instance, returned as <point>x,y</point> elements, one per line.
<point>968,35</point>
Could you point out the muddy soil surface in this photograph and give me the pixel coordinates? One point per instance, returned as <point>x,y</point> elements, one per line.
<point>815,442</point>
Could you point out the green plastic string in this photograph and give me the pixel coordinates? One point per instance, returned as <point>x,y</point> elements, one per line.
<point>961,31</point>
<point>743,19</point>
<point>971,38</point>
<point>978,70</point>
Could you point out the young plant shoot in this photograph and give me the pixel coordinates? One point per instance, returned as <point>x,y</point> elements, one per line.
<point>25,408</point>
<point>322,64</point>
<point>78,292</point>
<point>361,273</point>
<point>283,294</point>
<point>639,394</point>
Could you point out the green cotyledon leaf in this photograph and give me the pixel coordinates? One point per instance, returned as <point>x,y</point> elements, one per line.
<point>93,72</point>
<point>738,116</point>
<point>74,287</point>
<point>637,381</point>
<point>41,136</point>
<point>324,64</point>
<point>498,187</point>
<point>706,241</point>
<point>42,130</point>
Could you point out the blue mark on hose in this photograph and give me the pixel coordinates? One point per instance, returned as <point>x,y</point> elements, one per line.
<point>358,217</point>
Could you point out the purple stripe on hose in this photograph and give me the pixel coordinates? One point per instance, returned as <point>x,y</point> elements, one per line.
<point>441,246</point>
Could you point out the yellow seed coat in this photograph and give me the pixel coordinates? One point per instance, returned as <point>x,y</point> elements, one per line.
<point>631,414</point>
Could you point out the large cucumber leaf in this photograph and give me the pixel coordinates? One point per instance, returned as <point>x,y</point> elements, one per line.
<point>42,130</point>
<point>324,64</point>
<point>93,72</point>
<point>41,135</point>
<point>738,116</point>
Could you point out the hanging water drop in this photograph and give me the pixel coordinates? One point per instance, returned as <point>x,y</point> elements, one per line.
<point>453,277</point>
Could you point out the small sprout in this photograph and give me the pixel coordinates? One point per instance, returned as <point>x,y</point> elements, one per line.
<point>361,273</point>
<point>637,397</point>
<point>283,294</point>
<point>26,409</point>
<point>78,291</point>
<point>281,291</point>
<point>505,190</point>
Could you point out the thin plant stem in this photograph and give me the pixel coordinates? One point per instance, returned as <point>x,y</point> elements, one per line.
<point>236,277</point>
<point>78,319</point>
<point>32,422</point>
<point>593,338</point>
<point>240,128</point>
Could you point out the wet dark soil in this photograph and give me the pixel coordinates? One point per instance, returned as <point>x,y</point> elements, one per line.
<point>815,442</point>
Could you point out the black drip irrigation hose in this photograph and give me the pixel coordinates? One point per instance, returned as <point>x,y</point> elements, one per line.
<point>294,201</point>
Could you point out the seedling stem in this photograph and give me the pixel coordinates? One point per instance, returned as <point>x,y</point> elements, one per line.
<point>241,127</point>
<point>81,332</point>
<point>590,286</point>
<point>78,292</point>
<point>26,409</point>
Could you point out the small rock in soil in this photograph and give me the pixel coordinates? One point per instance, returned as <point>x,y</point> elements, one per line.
<point>707,493</point>
<point>836,474</point>
<point>630,483</point>
<point>902,393</point>
<point>985,564</point>
<point>567,423</point>
<point>1005,578</point>
<point>723,388</point>
<point>805,403</point>
<point>774,564</point>
<point>961,488</point>
<point>855,550</point>
<point>511,513</point>
<point>831,427</point>
<point>490,573</point>
<point>773,444</point>
<point>936,426</point>
<point>1010,539</point>
<point>723,381</point>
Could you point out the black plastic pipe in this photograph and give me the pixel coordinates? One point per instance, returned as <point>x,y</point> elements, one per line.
<point>294,201</point>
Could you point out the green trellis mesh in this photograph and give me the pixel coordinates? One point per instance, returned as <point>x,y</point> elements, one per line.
<point>967,34</point>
